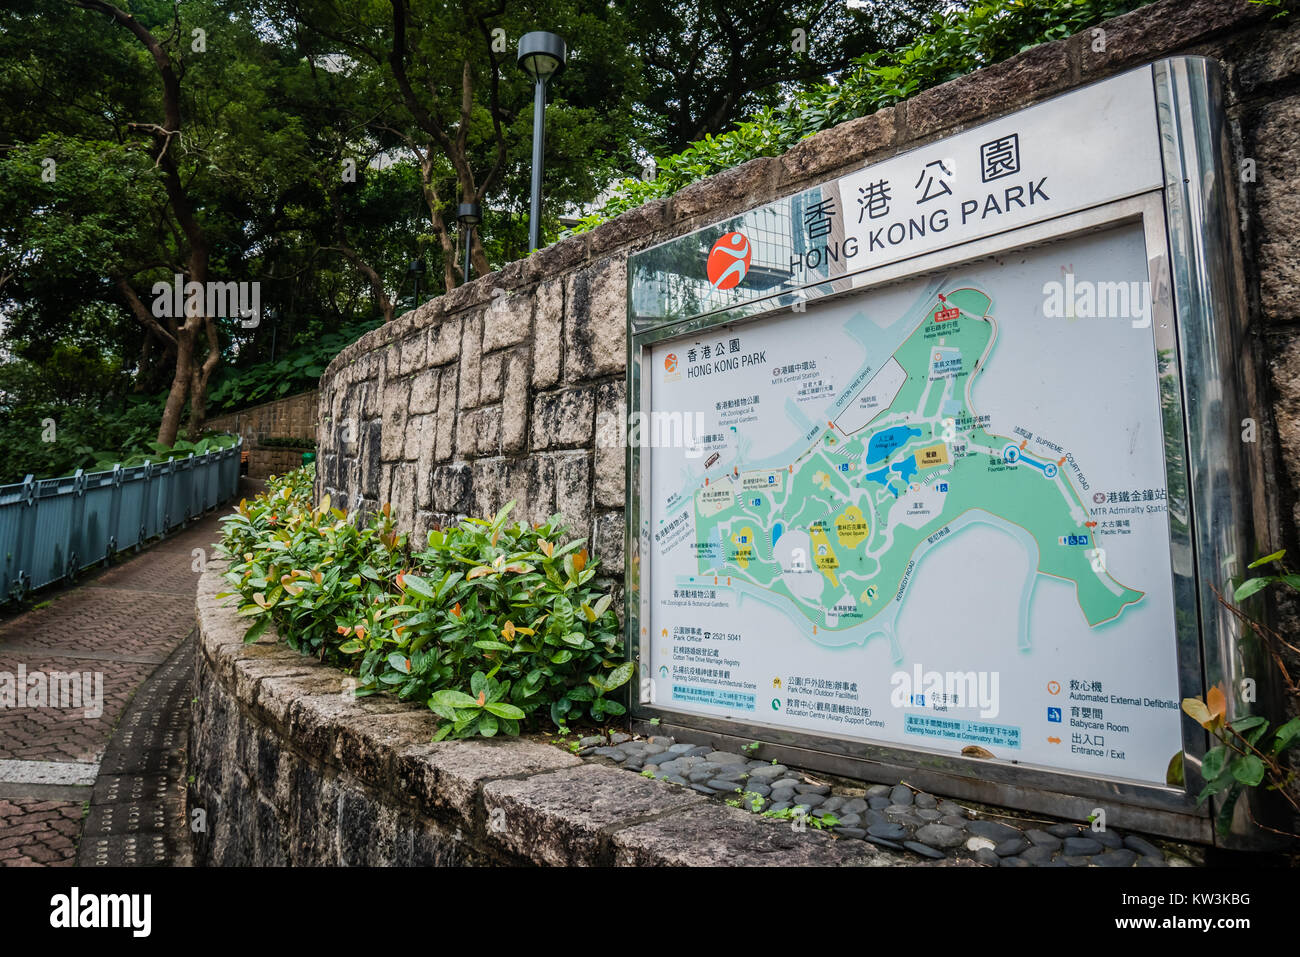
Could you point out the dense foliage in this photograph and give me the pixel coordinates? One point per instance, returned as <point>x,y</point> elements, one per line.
<point>708,64</point>
<point>54,419</point>
<point>959,41</point>
<point>493,625</point>
<point>287,442</point>
<point>298,370</point>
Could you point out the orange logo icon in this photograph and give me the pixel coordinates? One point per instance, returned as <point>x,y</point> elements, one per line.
<point>728,261</point>
<point>1053,740</point>
<point>670,362</point>
<point>1053,687</point>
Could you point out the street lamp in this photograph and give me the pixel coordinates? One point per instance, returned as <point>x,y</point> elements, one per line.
<point>415,270</point>
<point>469,215</point>
<point>541,56</point>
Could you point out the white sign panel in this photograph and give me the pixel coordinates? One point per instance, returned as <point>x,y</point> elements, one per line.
<point>934,514</point>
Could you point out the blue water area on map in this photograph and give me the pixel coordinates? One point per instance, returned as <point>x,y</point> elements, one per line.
<point>881,477</point>
<point>713,547</point>
<point>887,440</point>
<point>777,529</point>
<point>906,468</point>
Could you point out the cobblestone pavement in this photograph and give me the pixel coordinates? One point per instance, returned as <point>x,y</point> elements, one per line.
<point>918,826</point>
<point>114,631</point>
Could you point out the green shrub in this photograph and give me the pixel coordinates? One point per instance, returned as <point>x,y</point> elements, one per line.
<point>287,442</point>
<point>296,371</point>
<point>493,625</point>
<point>158,452</point>
<point>512,614</point>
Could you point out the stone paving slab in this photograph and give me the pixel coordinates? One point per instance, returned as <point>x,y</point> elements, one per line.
<point>48,772</point>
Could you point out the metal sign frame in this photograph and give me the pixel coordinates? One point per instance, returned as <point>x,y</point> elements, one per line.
<point>1198,312</point>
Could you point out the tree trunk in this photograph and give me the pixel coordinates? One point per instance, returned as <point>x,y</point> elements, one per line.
<point>183,381</point>
<point>199,378</point>
<point>171,419</point>
<point>450,268</point>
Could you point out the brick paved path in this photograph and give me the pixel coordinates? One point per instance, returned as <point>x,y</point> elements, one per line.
<point>121,625</point>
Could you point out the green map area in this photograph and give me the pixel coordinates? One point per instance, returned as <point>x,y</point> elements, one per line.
<point>837,530</point>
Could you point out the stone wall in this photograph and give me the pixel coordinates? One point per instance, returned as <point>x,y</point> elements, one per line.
<point>289,770</point>
<point>293,417</point>
<point>491,392</point>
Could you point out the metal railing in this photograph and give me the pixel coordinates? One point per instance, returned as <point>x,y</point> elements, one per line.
<point>51,529</point>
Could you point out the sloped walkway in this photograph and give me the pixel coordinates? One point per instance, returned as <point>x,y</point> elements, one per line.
<point>105,770</point>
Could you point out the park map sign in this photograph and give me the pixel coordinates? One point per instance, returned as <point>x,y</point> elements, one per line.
<point>933,512</point>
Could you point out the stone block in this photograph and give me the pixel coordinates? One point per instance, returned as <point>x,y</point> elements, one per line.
<point>422,434</point>
<point>1270,57</point>
<point>611,444</point>
<point>548,323</point>
<point>561,818</point>
<point>445,341</point>
<point>1153,31</point>
<point>607,542</point>
<point>724,192</point>
<point>595,320</point>
<point>370,458</point>
<point>1273,142</point>
<point>507,321</point>
<point>563,419</point>
<point>573,488</point>
<point>628,229</point>
<point>470,359</point>
<point>994,90</point>
<point>413,352</point>
<point>402,493</point>
<point>453,489</point>
<point>556,258</point>
<point>487,487</point>
<point>1284,366</point>
<point>491,372</point>
<point>856,141</point>
<point>713,835</point>
<point>445,429</point>
<point>514,403</point>
<point>393,439</point>
<point>447,776</point>
<point>541,489</point>
<point>424,392</point>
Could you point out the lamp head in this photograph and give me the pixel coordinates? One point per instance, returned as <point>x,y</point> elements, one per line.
<point>469,214</point>
<point>542,54</point>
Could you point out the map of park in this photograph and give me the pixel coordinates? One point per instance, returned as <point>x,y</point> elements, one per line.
<point>905,461</point>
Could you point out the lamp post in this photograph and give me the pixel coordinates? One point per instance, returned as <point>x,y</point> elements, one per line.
<point>415,270</point>
<point>541,56</point>
<point>469,215</point>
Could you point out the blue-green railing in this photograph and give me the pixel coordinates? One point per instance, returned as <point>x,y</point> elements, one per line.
<point>50,529</point>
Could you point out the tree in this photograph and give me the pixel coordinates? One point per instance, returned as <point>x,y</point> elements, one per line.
<point>711,62</point>
<point>191,376</point>
<point>446,95</point>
